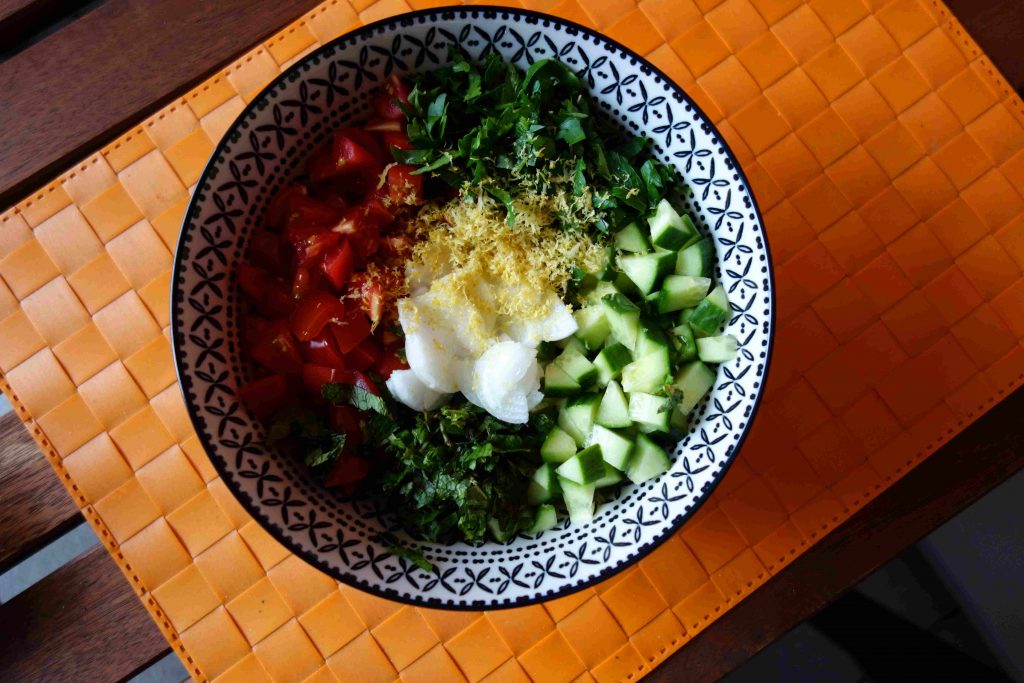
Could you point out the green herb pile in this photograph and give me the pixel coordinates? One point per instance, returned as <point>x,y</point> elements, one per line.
<point>495,127</point>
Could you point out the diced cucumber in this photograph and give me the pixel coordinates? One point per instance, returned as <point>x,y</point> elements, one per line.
<point>500,535</point>
<point>614,408</point>
<point>557,382</point>
<point>687,344</point>
<point>558,446</point>
<point>711,313</point>
<point>669,230</point>
<point>615,447</point>
<point>684,315</point>
<point>720,349</point>
<point>649,340</point>
<point>579,501</point>
<point>647,374</point>
<point>610,361</point>
<point>647,270</point>
<point>611,477</point>
<point>544,519</point>
<point>581,412</point>
<point>547,352</point>
<point>649,460</point>
<point>543,486</point>
<point>572,342</point>
<point>682,291</point>
<point>698,259</point>
<point>569,427</point>
<point>593,326</point>
<point>625,286</point>
<point>694,380</point>
<point>623,318</point>
<point>577,367</point>
<point>601,290</point>
<point>651,413</point>
<point>631,238</point>
<point>585,467</point>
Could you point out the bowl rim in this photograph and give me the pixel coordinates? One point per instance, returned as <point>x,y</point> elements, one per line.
<point>365,31</point>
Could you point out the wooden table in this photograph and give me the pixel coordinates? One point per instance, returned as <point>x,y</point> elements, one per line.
<point>61,96</point>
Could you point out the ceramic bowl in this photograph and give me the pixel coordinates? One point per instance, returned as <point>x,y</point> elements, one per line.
<point>267,145</point>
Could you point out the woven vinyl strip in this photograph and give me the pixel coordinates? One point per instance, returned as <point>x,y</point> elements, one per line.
<point>887,155</point>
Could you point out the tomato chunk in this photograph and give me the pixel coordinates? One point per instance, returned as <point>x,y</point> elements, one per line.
<point>253,281</point>
<point>353,329</point>
<point>310,242</point>
<point>396,139</point>
<point>363,356</point>
<point>358,379</point>
<point>314,313</point>
<point>366,141</point>
<point>348,421</point>
<point>338,264</point>
<point>388,101</point>
<point>347,471</point>
<point>277,350</point>
<point>345,156</point>
<point>264,396</point>
<point>388,362</point>
<point>323,350</point>
<point>281,205</point>
<point>314,377</point>
<point>305,212</point>
<point>403,186</point>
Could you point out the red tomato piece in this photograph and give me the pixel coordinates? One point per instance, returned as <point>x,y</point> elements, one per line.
<point>314,313</point>
<point>388,362</point>
<point>314,377</point>
<point>277,350</point>
<point>302,283</point>
<point>375,213</point>
<point>280,206</point>
<point>389,339</point>
<point>356,378</point>
<point>352,330</point>
<point>403,186</point>
<point>366,141</point>
<point>347,472</point>
<point>348,421</point>
<point>310,243</point>
<point>396,139</point>
<point>266,250</point>
<point>264,396</point>
<point>346,155</point>
<point>253,329</point>
<point>323,350</point>
<point>253,281</point>
<point>388,101</point>
<point>305,212</point>
<point>363,356</point>
<point>278,301</point>
<point>371,296</point>
<point>338,264</point>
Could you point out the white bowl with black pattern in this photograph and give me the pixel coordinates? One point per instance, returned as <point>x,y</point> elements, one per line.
<point>267,145</point>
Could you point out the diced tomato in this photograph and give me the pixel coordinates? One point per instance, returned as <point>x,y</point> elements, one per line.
<point>403,186</point>
<point>347,472</point>
<point>347,420</point>
<point>370,295</point>
<point>253,329</point>
<point>264,396</point>
<point>280,206</point>
<point>352,330</point>
<point>363,356</point>
<point>338,264</point>
<point>384,126</point>
<point>375,213</point>
<point>302,283</point>
<point>388,362</point>
<point>388,100</point>
<point>366,141</point>
<point>253,281</point>
<point>305,212</point>
<point>345,156</point>
<point>395,247</point>
<point>278,301</point>
<point>314,313</point>
<point>314,377</point>
<point>389,339</point>
<point>396,139</point>
<point>356,378</point>
<point>277,350</point>
<point>266,250</point>
<point>323,350</point>
<point>310,242</point>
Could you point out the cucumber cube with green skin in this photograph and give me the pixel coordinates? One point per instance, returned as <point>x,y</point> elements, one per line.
<point>603,289</point>
<point>684,315</point>
<point>647,374</point>
<point>579,501</point>
<point>624,285</point>
<point>557,382</point>
<point>623,319</point>
<point>613,411</point>
<point>573,343</point>
<point>544,519</point>
<point>668,229</point>
<point>611,477</point>
<point>687,345</point>
<point>649,340</point>
<point>585,467</point>
<point>651,413</point>
<point>647,270</point>
<point>543,485</point>
<point>566,424</point>
<point>593,326</point>
<point>649,460</point>
<point>558,446</point>
<point>632,239</point>
<point>682,291</point>
<point>610,361</point>
<point>694,380</point>
<point>500,535</point>
<point>577,367</point>
<point>711,313</point>
<point>720,349</point>
<point>616,448</point>
<point>698,259</point>
<point>582,411</point>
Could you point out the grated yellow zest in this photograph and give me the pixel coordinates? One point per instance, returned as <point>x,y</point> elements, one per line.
<point>469,239</point>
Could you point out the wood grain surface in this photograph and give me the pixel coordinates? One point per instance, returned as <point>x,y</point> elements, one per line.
<point>34,507</point>
<point>81,623</point>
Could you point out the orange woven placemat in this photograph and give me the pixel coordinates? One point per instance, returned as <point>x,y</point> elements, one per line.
<point>887,155</point>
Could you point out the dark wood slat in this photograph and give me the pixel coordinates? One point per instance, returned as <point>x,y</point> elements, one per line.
<point>34,506</point>
<point>81,623</point>
<point>978,459</point>
<point>79,87</point>
<point>998,27</point>
<point>21,19</point>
